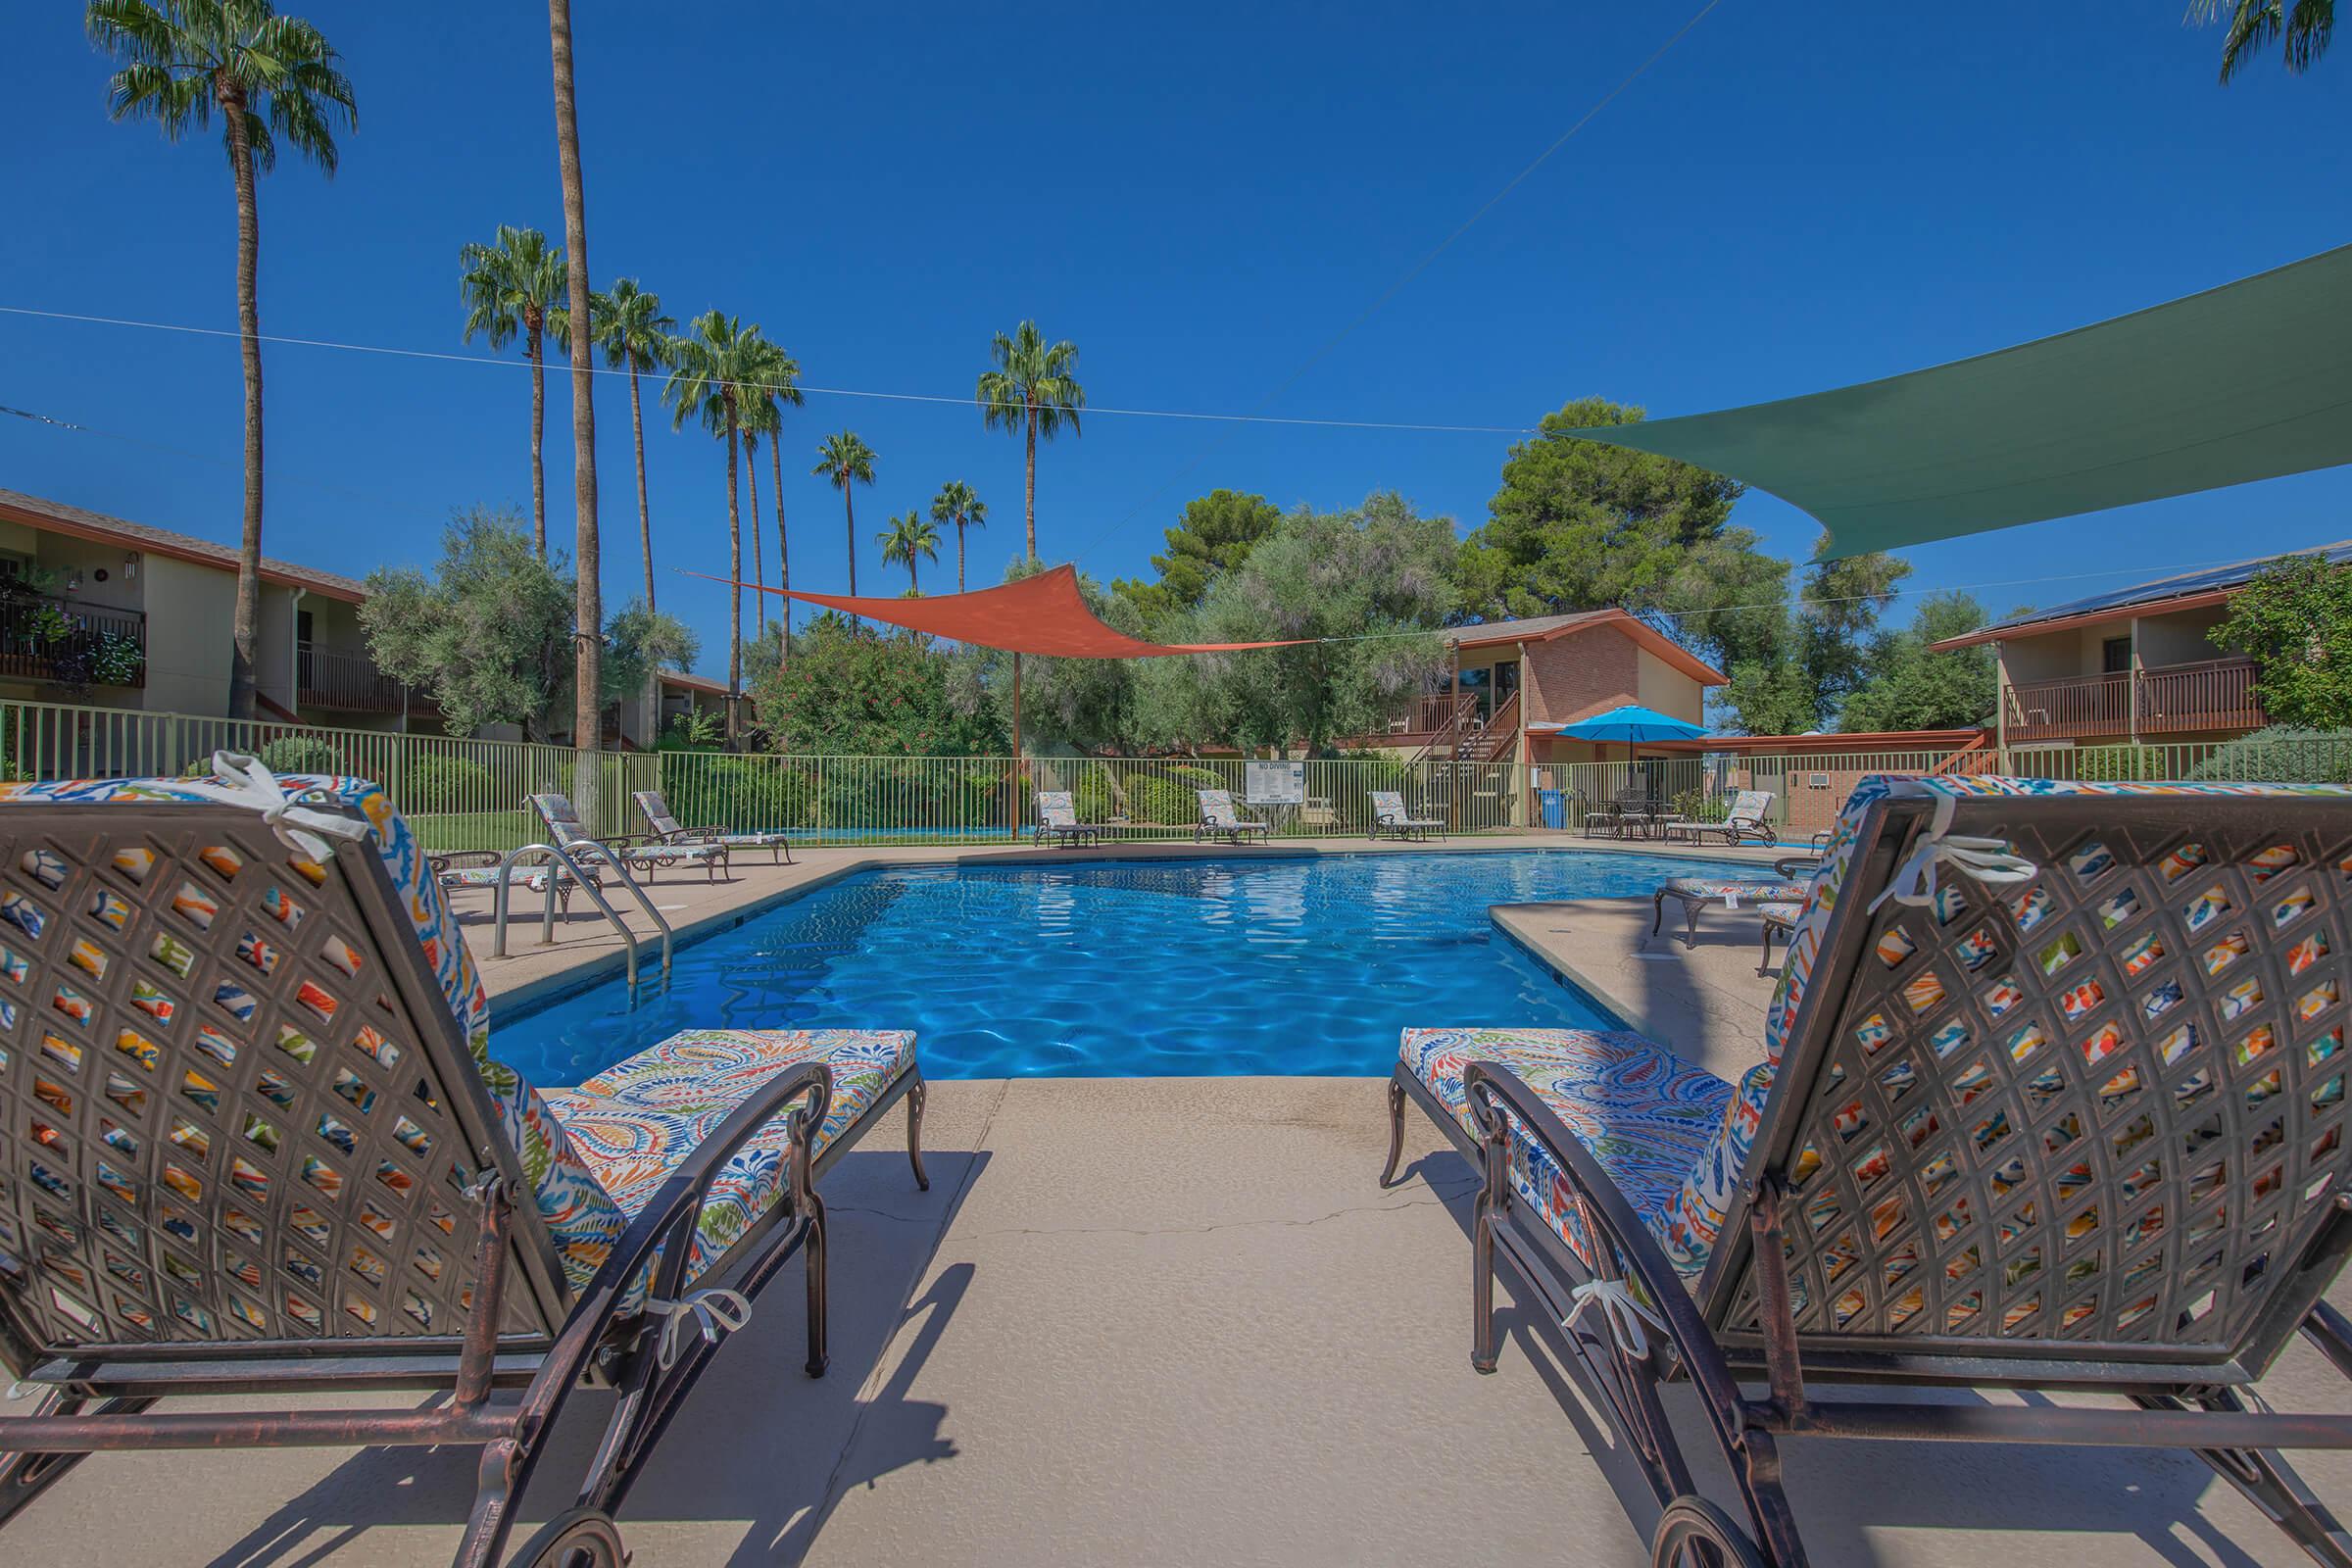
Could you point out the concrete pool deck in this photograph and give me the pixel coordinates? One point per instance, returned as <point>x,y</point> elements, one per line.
<point>1175,1321</point>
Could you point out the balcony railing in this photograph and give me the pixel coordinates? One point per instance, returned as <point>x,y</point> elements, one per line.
<point>1435,711</point>
<point>2217,694</point>
<point>345,679</point>
<point>56,639</point>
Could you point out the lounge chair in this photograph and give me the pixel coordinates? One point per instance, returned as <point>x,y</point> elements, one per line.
<point>562,820</point>
<point>1219,820</point>
<point>1779,922</point>
<point>265,1148</point>
<point>1748,822</point>
<point>479,868</point>
<point>664,824</point>
<point>2052,1098</point>
<point>1788,881</point>
<point>1057,819</point>
<point>1389,815</point>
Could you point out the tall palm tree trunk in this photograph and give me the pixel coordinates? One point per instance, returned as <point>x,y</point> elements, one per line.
<point>849,509</point>
<point>959,552</point>
<point>645,516</point>
<point>775,459</point>
<point>534,348</point>
<point>1029,492</point>
<point>734,594</point>
<point>751,477</point>
<point>248,615</point>
<point>588,621</point>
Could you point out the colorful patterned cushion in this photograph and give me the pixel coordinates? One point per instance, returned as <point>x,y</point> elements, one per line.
<point>1707,890</point>
<point>1216,809</point>
<point>486,876</point>
<point>1389,807</point>
<point>1782,914</point>
<point>582,1220</point>
<point>1644,1113</point>
<point>755,840</point>
<point>635,1123</point>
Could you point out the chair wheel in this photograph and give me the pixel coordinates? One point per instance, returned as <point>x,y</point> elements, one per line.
<point>1693,1533</point>
<point>579,1537</point>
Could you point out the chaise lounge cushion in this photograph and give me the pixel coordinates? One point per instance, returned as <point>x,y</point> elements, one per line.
<point>636,1122</point>
<point>1644,1113</point>
<point>1712,889</point>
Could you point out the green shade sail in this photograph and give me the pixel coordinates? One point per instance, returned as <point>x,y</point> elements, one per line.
<point>2247,382</point>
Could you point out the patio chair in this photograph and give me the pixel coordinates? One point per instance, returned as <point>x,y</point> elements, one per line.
<point>1629,812</point>
<point>562,820</point>
<point>1779,922</point>
<point>664,824</point>
<point>1057,819</point>
<point>1389,817</point>
<point>479,868</point>
<point>1218,820</point>
<point>1748,822</point>
<point>256,1143</point>
<point>2052,1098</point>
<point>1791,876</point>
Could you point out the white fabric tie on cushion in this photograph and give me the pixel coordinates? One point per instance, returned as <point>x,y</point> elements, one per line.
<point>1625,1312</point>
<point>713,1314</point>
<point>1985,860</point>
<point>244,781</point>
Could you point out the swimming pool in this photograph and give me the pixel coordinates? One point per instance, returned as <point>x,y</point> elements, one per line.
<point>1120,969</point>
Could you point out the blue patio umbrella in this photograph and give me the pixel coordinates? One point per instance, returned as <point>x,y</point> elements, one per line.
<point>1631,723</point>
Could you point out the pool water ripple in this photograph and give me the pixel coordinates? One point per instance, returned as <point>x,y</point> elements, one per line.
<point>1120,969</point>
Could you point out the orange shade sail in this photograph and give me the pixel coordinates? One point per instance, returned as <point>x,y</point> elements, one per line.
<point>1041,615</point>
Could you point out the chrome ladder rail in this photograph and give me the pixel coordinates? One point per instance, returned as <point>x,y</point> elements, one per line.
<point>561,860</point>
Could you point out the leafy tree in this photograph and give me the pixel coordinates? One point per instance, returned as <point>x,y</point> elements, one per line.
<point>640,643</point>
<point>846,459</point>
<point>489,634</point>
<point>852,694</point>
<point>512,288</point>
<point>711,364</point>
<point>1378,581</point>
<point>1909,687</point>
<point>907,538</point>
<point>1809,659</point>
<point>1215,534</point>
<point>2294,619</point>
<point>956,504</point>
<point>1088,703</point>
<point>630,325</point>
<point>1032,390</point>
<point>2254,25</point>
<point>273,79</point>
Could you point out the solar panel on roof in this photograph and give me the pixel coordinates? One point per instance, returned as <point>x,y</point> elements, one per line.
<point>2173,587</point>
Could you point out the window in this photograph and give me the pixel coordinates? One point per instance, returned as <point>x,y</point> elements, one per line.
<point>2115,656</point>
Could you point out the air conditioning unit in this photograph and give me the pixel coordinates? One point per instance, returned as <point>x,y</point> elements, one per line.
<point>1817,781</point>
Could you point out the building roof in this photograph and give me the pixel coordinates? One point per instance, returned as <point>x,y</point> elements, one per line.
<point>691,683</point>
<point>2193,589</point>
<point>1546,629</point>
<point>55,517</point>
<point>1897,739</point>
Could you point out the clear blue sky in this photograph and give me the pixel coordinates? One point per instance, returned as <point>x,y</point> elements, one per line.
<point>1795,197</point>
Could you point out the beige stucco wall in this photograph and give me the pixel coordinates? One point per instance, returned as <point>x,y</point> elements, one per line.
<point>2179,638</point>
<point>274,644</point>
<point>1661,686</point>
<point>188,644</point>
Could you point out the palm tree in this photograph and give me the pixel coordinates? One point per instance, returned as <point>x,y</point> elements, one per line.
<point>843,457</point>
<point>588,606</point>
<point>907,538</point>
<point>1032,390</point>
<point>514,286</point>
<point>2254,25</point>
<point>628,323</point>
<point>273,79</point>
<point>956,504</point>
<point>757,419</point>
<point>774,381</point>
<point>711,363</point>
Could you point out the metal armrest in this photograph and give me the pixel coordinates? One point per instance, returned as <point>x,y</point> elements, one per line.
<point>1793,866</point>
<point>463,860</point>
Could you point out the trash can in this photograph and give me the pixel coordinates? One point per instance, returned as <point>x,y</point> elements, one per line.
<point>1555,805</point>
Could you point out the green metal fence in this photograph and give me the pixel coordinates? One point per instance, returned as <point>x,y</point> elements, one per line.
<point>469,794</point>
<point>456,794</point>
<point>931,800</point>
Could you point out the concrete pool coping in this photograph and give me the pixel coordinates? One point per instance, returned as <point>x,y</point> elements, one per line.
<point>587,953</point>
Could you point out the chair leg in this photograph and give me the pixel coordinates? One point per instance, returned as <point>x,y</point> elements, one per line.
<point>2271,1485</point>
<point>812,1254</point>
<point>1658,913</point>
<point>1484,1352</point>
<point>914,1130</point>
<point>1689,925</point>
<point>1387,1175</point>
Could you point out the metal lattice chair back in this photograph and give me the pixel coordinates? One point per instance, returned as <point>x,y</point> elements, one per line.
<point>2094,1116</point>
<point>239,1114</point>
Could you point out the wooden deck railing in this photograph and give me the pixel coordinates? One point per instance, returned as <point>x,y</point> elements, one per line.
<point>43,638</point>
<point>345,679</point>
<point>2216,693</point>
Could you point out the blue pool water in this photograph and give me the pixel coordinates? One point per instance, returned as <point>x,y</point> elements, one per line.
<point>1119,969</point>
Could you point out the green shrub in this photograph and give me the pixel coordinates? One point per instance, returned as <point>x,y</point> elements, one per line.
<point>1162,802</point>
<point>2279,755</point>
<point>442,784</point>
<point>1091,797</point>
<point>297,753</point>
<point>2113,765</point>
